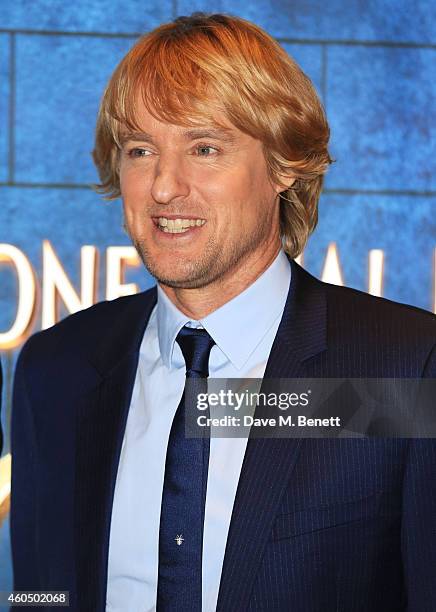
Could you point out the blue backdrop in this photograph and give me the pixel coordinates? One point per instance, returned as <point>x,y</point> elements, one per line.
<point>372,63</point>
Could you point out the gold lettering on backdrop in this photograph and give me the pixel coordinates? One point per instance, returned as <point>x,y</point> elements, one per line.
<point>56,284</point>
<point>375,272</point>
<point>332,272</point>
<point>27,293</point>
<point>117,257</point>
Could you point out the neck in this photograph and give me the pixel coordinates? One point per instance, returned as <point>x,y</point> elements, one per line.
<point>199,302</point>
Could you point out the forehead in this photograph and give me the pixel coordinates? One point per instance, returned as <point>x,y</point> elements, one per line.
<point>209,121</point>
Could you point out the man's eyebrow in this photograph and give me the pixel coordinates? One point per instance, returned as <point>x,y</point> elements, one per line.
<point>136,136</point>
<point>224,134</point>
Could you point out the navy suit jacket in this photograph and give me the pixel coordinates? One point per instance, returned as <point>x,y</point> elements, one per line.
<point>318,525</point>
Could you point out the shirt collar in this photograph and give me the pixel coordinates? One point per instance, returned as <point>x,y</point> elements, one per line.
<point>247,317</point>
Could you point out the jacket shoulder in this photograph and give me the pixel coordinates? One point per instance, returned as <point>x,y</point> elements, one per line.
<point>365,309</point>
<point>394,338</point>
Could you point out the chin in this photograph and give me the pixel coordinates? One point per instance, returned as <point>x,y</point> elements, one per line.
<point>184,272</point>
<point>172,276</point>
<point>178,284</point>
<point>183,280</point>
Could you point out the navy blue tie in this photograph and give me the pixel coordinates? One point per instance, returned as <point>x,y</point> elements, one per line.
<point>184,490</point>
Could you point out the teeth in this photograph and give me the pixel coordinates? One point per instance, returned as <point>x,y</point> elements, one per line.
<point>178,226</point>
<point>173,231</point>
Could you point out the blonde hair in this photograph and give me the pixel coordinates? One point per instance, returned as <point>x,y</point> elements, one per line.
<point>178,67</point>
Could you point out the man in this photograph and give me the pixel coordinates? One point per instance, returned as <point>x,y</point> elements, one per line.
<point>217,143</point>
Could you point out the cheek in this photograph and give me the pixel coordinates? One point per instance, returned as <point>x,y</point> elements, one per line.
<point>227,195</point>
<point>131,181</point>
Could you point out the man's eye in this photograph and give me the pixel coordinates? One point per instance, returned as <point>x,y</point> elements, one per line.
<point>136,152</point>
<point>205,148</point>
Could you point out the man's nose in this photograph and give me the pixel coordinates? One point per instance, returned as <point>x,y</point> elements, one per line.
<point>170,180</point>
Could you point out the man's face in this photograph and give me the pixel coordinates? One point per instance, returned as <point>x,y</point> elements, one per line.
<point>198,202</point>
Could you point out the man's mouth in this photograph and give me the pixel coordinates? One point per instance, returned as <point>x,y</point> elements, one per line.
<point>178,225</point>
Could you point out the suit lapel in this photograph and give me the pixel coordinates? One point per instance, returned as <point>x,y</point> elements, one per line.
<point>268,463</point>
<point>101,418</point>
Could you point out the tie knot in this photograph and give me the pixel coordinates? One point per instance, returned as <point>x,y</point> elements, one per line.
<point>196,345</point>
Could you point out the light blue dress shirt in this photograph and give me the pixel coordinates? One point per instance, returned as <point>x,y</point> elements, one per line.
<point>244,330</point>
